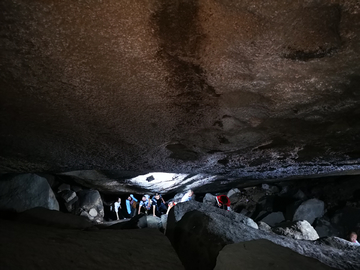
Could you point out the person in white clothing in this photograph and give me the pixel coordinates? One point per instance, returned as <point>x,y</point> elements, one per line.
<point>117,205</point>
<point>188,196</point>
<point>353,238</point>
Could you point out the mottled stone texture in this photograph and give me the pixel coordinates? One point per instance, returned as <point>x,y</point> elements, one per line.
<point>215,86</point>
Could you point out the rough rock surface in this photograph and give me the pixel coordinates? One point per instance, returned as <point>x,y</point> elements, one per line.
<point>298,230</point>
<point>26,191</point>
<point>338,243</point>
<point>262,254</point>
<point>198,232</point>
<point>226,87</point>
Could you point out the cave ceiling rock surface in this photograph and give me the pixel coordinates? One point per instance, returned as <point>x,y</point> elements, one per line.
<point>187,86</point>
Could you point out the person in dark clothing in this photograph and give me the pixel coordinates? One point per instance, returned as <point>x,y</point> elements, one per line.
<point>159,206</point>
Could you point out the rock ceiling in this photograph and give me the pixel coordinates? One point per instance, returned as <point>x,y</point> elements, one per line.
<point>238,88</point>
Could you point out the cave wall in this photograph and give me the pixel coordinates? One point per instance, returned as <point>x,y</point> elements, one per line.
<point>228,87</point>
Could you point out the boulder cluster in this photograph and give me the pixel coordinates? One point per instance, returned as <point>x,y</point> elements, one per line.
<point>299,212</point>
<point>296,216</point>
<point>23,192</point>
<point>199,232</point>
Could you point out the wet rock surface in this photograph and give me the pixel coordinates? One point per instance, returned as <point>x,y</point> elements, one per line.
<point>217,87</point>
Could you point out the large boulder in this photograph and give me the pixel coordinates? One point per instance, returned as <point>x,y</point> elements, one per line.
<point>298,230</point>
<point>89,203</point>
<point>198,232</point>
<point>25,191</point>
<point>209,199</point>
<point>263,254</point>
<point>308,210</point>
<point>154,222</point>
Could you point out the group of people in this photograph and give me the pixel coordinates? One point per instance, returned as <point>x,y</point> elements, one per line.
<point>130,203</point>
<point>156,205</point>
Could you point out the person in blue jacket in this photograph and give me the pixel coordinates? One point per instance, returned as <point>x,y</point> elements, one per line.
<point>131,205</point>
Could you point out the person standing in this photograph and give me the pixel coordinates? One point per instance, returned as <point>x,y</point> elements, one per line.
<point>130,203</point>
<point>117,206</point>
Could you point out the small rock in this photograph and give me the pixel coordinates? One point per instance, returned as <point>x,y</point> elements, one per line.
<point>69,205</point>
<point>264,227</point>
<point>68,195</point>
<point>297,230</point>
<point>209,199</point>
<point>93,212</point>
<point>233,191</point>
<point>63,187</point>
<point>87,215</point>
<point>299,195</point>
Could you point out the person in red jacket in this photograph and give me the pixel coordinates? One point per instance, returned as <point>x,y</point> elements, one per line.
<point>223,202</point>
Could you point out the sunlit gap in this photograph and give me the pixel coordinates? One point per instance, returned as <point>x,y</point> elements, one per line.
<point>169,182</point>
